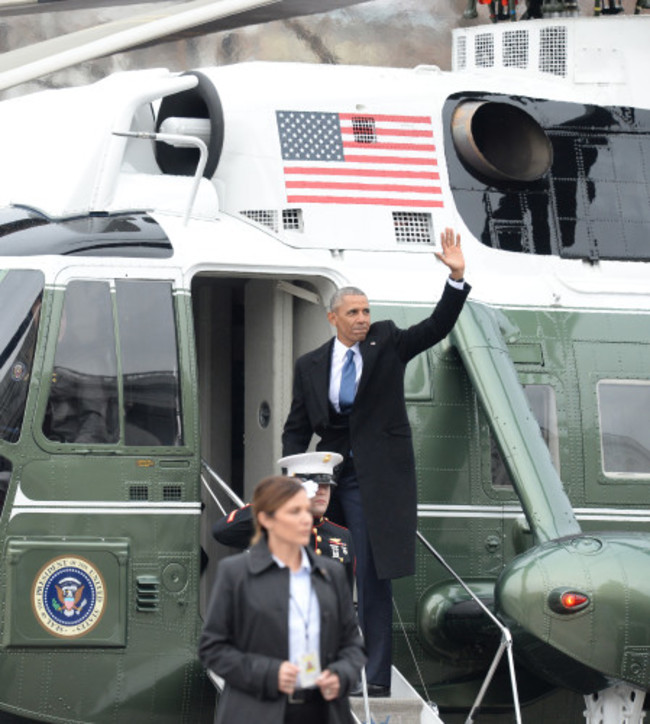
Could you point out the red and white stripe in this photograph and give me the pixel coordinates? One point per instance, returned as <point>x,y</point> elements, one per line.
<point>398,168</point>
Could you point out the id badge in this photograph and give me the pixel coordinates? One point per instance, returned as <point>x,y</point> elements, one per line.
<point>309,669</point>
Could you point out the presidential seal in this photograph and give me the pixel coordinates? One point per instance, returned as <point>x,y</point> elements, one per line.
<point>68,597</point>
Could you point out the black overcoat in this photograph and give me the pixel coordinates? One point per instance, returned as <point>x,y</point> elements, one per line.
<point>379,434</point>
<point>245,635</point>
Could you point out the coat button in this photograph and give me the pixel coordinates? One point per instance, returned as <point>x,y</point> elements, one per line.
<point>319,552</point>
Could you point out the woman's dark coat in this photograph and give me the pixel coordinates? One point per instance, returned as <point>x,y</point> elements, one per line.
<point>245,636</point>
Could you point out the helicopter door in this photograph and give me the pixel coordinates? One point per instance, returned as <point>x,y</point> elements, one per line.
<point>268,372</point>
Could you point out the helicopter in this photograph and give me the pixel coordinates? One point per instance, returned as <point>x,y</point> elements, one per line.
<point>169,241</point>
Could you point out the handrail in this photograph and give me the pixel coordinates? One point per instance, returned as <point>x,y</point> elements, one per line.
<point>223,485</point>
<point>505,645</point>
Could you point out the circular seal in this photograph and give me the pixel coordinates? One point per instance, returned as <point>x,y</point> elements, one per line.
<point>18,371</point>
<point>68,597</point>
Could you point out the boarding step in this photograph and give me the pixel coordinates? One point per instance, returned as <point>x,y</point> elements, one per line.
<point>403,706</point>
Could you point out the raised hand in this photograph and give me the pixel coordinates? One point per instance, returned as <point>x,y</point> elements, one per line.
<point>451,254</point>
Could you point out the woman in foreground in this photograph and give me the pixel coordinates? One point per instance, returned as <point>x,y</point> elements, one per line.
<point>281,629</point>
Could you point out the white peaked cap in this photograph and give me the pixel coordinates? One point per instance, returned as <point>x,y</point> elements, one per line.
<point>311,463</point>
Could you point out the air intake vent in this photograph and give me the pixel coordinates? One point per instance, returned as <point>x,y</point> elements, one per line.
<point>147,593</point>
<point>515,49</point>
<point>363,129</point>
<point>138,492</point>
<point>484,50</point>
<point>265,217</point>
<point>172,492</point>
<point>461,53</point>
<point>553,50</point>
<point>412,227</point>
<point>292,220</point>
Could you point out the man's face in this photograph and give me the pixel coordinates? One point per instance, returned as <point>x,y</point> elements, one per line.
<point>320,501</point>
<point>351,319</point>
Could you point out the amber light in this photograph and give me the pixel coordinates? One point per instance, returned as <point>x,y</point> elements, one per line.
<point>567,600</point>
<point>571,600</point>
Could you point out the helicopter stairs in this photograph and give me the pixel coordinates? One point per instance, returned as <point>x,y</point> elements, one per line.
<point>403,706</point>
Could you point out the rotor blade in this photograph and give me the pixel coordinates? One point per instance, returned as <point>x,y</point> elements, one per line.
<point>25,64</point>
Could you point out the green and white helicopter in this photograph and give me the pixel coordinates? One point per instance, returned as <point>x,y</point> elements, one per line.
<point>168,242</point>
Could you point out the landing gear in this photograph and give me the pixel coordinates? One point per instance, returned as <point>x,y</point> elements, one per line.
<point>617,705</point>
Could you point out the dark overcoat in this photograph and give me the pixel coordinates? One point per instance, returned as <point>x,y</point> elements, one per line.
<point>379,432</point>
<point>246,635</point>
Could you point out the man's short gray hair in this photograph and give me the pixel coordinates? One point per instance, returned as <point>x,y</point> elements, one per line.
<point>338,295</point>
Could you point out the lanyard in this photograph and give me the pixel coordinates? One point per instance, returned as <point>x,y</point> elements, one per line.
<point>305,618</point>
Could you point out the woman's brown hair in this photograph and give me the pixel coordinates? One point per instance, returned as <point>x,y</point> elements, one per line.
<point>270,494</point>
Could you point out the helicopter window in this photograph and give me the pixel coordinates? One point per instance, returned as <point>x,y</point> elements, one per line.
<point>20,300</point>
<point>83,401</point>
<point>625,433</point>
<point>149,363</point>
<point>541,399</point>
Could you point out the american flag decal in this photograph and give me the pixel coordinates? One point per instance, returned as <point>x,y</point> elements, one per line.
<point>346,158</point>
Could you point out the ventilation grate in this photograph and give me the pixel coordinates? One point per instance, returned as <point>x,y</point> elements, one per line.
<point>461,53</point>
<point>484,50</point>
<point>412,227</point>
<point>147,593</point>
<point>553,50</point>
<point>172,492</point>
<point>292,220</point>
<point>138,492</point>
<point>264,217</point>
<point>363,128</point>
<point>515,49</point>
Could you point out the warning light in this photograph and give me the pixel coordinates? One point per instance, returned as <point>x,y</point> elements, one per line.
<point>567,601</point>
<point>571,599</point>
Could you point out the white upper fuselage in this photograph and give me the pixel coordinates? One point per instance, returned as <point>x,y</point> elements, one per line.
<point>60,157</point>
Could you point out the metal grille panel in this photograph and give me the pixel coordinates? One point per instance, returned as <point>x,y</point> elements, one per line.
<point>264,217</point>
<point>412,227</point>
<point>515,49</point>
<point>553,50</point>
<point>484,50</point>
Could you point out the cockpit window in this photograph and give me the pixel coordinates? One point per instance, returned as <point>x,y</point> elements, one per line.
<point>623,408</point>
<point>21,294</point>
<point>116,380</point>
<point>149,363</point>
<point>83,401</point>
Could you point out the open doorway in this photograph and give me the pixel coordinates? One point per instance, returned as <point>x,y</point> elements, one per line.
<point>249,332</point>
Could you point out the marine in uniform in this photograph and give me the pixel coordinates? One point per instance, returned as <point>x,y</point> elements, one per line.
<point>316,470</point>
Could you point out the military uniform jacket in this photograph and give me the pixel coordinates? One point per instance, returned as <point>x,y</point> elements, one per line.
<point>379,432</point>
<point>245,636</point>
<point>327,538</point>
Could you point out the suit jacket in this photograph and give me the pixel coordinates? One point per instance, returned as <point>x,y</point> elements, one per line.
<point>245,636</point>
<point>379,433</point>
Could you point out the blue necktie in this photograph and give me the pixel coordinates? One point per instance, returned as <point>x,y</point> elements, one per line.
<point>348,383</point>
